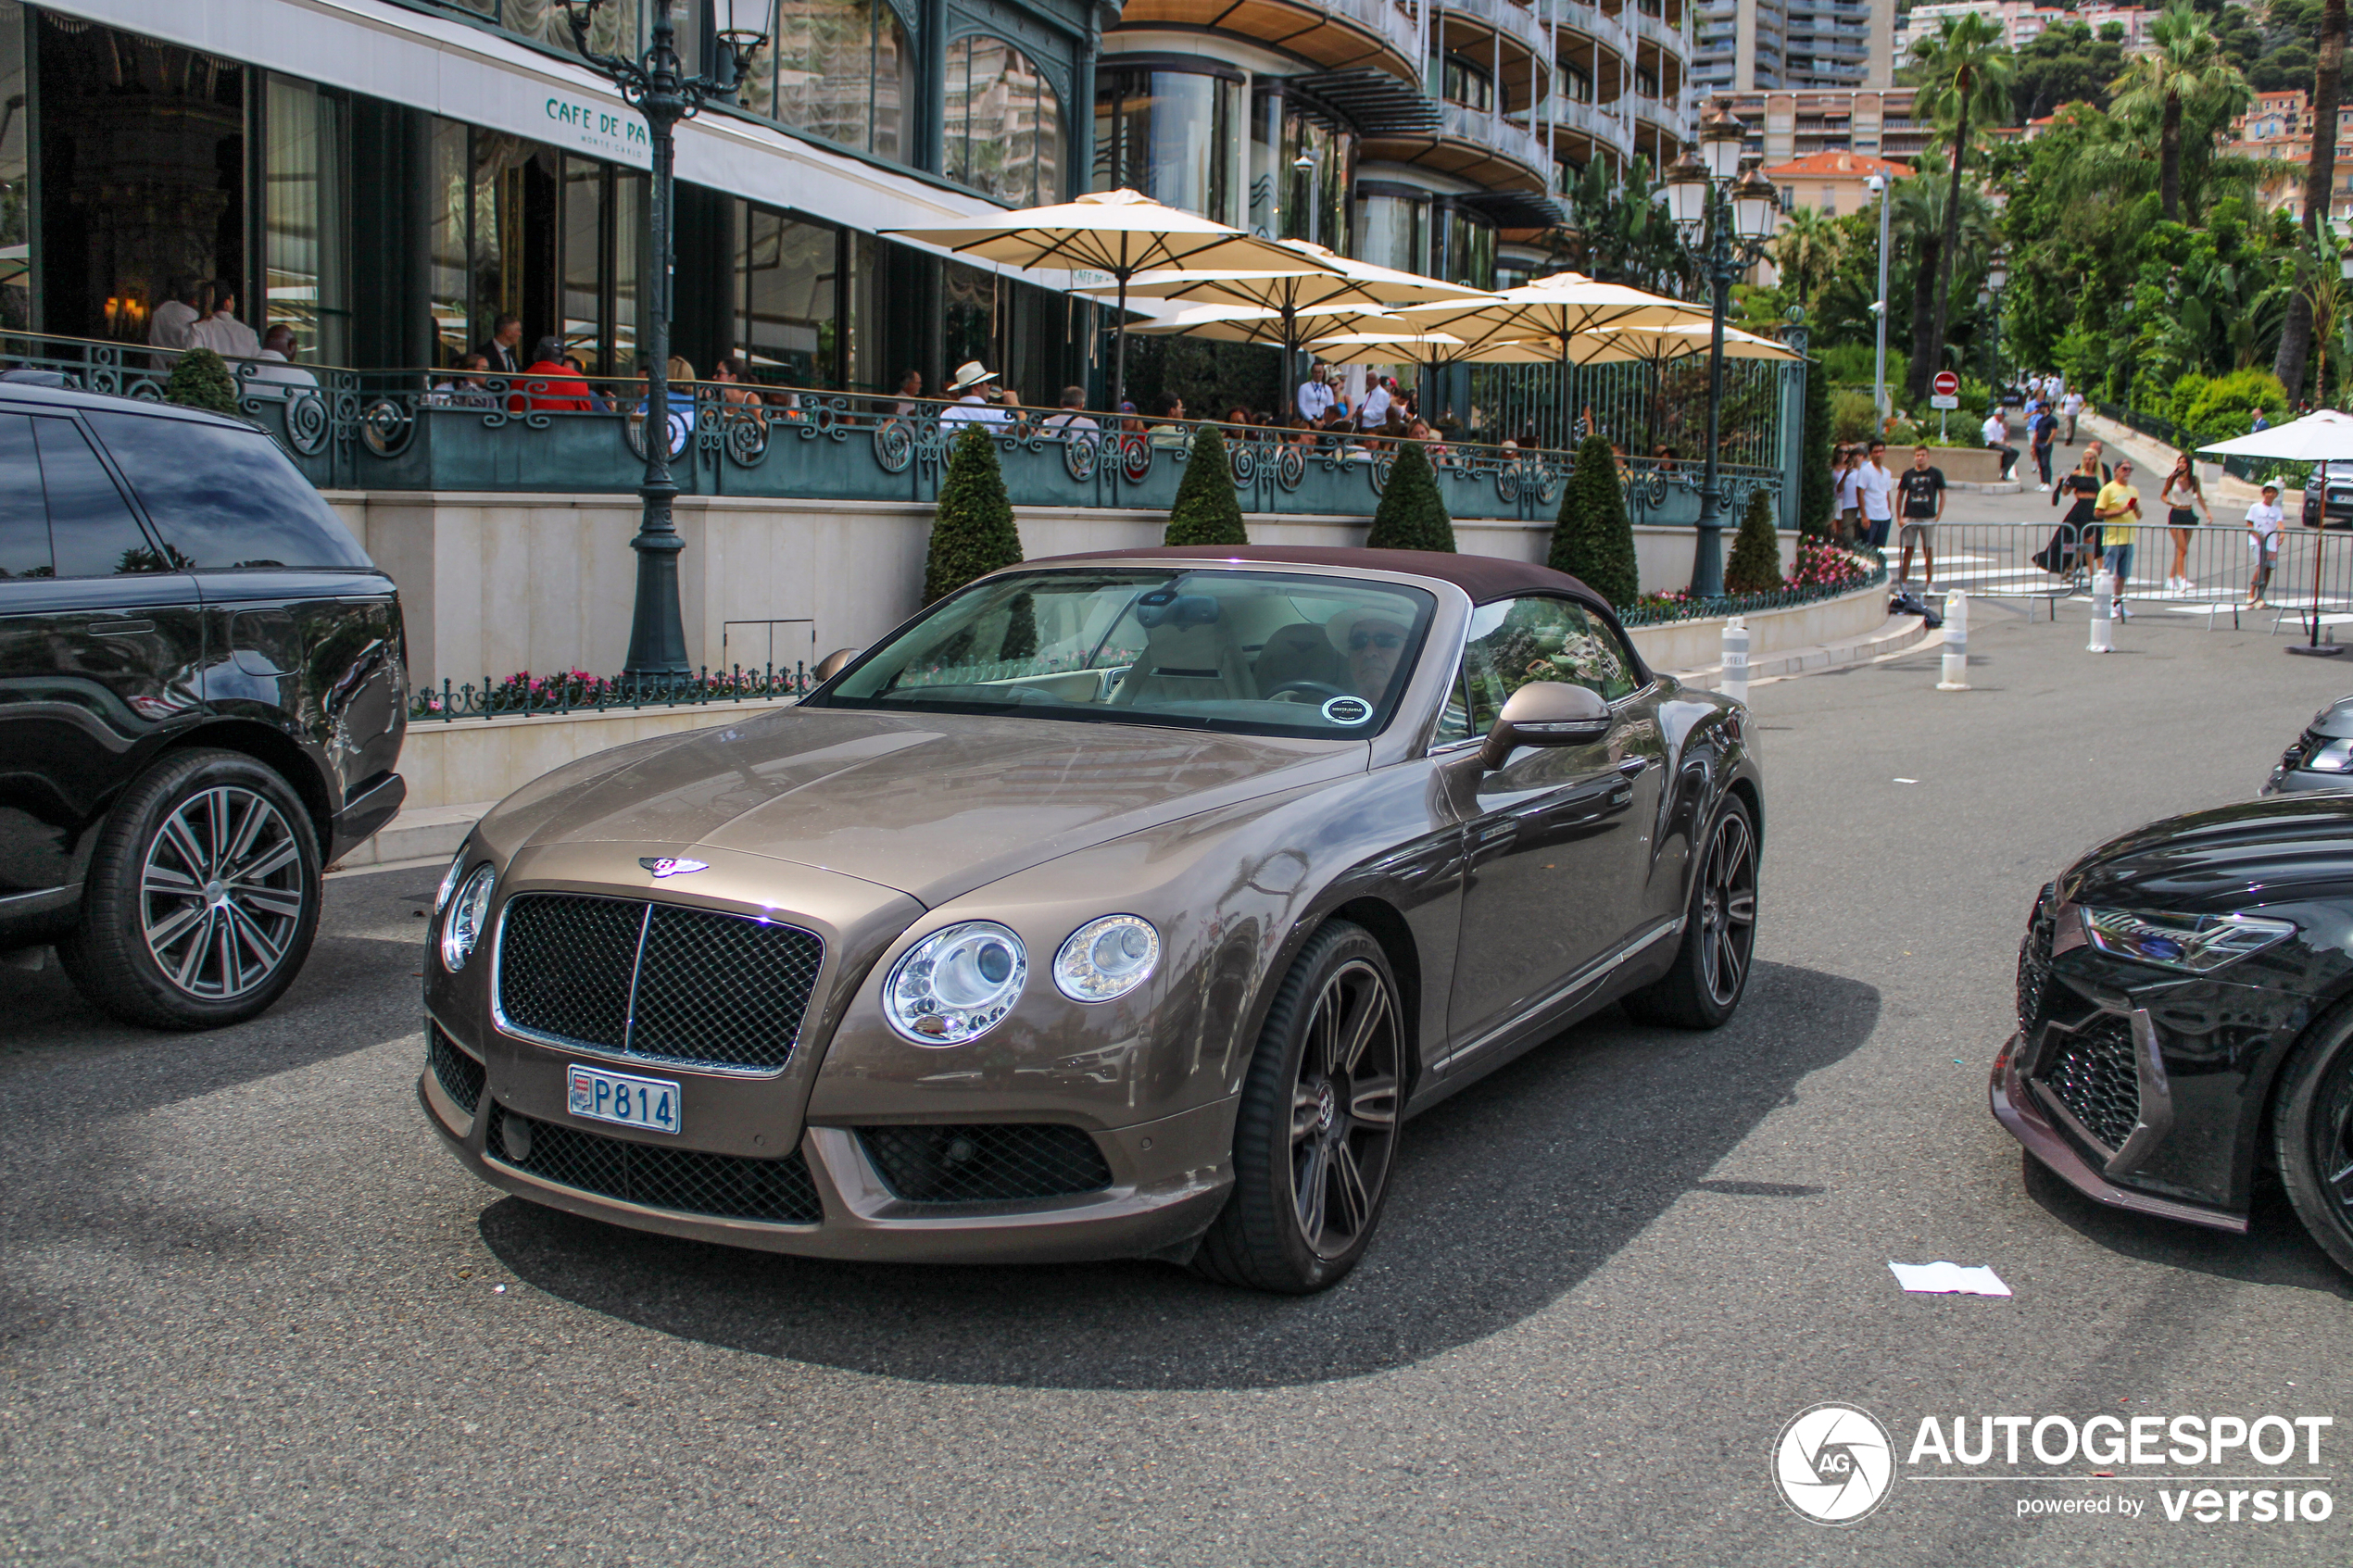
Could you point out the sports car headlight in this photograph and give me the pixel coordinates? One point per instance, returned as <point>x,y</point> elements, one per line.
<point>2199,944</point>
<point>461,927</point>
<point>2334,757</point>
<point>449,878</point>
<point>1106,958</point>
<point>954,985</point>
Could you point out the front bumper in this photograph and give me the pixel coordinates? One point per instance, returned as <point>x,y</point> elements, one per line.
<point>1150,1207</point>
<point>2016,1107</point>
<point>2305,781</point>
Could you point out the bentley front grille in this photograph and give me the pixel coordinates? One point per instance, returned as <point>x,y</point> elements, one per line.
<point>688,1181</point>
<point>986,1164</point>
<point>658,981</point>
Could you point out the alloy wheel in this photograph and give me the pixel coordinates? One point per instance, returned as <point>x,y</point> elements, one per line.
<point>221,893</point>
<point>1727,909</point>
<point>1344,1104</point>
<point>2329,1135</point>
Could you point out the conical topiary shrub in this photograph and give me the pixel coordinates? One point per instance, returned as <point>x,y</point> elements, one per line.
<point>1593,541</point>
<point>1413,514</point>
<point>1815,497</point>
<point>973,534</point>
<point>1755,566</point>
<point>201,380</point>
<point>1207,513</point>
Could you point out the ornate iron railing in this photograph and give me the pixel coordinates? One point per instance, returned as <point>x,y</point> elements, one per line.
<point>526,696</point>
<point>472,432</point>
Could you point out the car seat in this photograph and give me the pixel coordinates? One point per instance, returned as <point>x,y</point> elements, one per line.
<point>1301,652</point>
<point>1190,654</point>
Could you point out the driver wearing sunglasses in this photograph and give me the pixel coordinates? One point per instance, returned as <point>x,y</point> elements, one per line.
<point>1373,642</point>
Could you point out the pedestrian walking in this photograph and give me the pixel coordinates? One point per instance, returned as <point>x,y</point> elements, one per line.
<point>2077,539</point>
<point>2118,508</point>
<point>1996,432</point>
<point>1845,473</point>
<point>2186,499</point>
<point>2042,431</point>
<point>1875,487</point>
<point>1921,487</point>
<point>2263,520</point>
<point>2070,407</point>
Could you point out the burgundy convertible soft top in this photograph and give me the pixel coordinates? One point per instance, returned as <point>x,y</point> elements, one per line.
<point>1484,578</point>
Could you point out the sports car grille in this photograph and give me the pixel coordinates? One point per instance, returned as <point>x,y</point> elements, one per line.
<point>658,981</point>
<point>687,1180</point>
<point>986,1164</point>
<point>2092,1073</point>
<point>2035,964</point>
<point>459,1074</point>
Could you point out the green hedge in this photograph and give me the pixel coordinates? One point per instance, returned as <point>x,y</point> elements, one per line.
<point>972,533</point>
<point>1207,511</point>
<point>1593,541</point>
<point>1412,515</point>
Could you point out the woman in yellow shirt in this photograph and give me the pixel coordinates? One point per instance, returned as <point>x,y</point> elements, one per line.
<point>2118,509</point>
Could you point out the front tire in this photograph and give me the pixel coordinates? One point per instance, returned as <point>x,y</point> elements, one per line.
<point>1704,987</point>
<point>202,897</point>
<point>1316,1133</point>
<point>2313,1133</point>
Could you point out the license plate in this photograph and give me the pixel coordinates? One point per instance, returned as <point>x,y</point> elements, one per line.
<point>651,1103</point>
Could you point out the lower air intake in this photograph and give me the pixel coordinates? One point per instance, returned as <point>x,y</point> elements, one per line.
<point>2092,1073</point>
<point>986,1164</point>
<point>688,1181</point>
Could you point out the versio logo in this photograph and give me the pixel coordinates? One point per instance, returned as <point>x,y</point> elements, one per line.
<point>1833,1463</point>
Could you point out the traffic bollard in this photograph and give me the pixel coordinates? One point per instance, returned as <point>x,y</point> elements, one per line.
<point>2102,628</point>
<point>1956,643</point>
<point>1735,683</point>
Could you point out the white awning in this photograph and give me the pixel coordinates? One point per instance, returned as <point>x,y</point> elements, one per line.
<point>466,73</point>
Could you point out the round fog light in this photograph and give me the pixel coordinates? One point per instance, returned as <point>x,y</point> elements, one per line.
<point>514,1132</point>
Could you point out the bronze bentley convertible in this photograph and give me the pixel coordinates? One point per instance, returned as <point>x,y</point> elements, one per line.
<point>1119,904</point>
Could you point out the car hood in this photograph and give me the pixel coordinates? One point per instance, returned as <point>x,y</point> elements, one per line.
<point>2270,851</point>
<point>930,804</point>
<point>2336,719</point>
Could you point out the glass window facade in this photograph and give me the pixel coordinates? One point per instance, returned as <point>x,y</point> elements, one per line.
<point>1169,134</point>
<point>15,172</point>
<point>1392,229</point>
<point>841,70</point>
<point>787,299</point>
<point>1465,83</point>
<point>306,224</point>
<point>1315,203</point>
<point>1003,134</point>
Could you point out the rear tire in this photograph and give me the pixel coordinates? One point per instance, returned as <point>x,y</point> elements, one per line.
<point>202,897</point>
<point>1316,1133</point>
<point>2313,1132</point>
<point>1711,968</point>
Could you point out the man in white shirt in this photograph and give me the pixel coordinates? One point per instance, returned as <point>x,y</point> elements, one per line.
<point>2263,520</point>
<point>1373,413</point>
<point>276,368</point>
<point>168,327</point>
<point>1875,487</point>
<point>1073,423</point>
<point>971,406</point>
<point>222,332</point>
<point>1996,430</point>
<point>2071,405</point>
<point>1315,395</point>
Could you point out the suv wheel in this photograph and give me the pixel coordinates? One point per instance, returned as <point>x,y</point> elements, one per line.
<point>202,897</point>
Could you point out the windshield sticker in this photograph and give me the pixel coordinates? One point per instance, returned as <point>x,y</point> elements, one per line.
<point>1347,710</point>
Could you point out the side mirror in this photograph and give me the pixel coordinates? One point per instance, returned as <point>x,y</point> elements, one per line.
<point>1546,713</point>
<point>832,664</point>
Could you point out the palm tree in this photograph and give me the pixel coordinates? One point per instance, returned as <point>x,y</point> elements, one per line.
<point>1964,74</point>
<point>2187,70</point>
<point>1922,217</point>
<point>1806,252</point>
<point>2319,175</point>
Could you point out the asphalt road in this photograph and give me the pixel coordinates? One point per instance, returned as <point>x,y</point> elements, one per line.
<point>251,1313</point>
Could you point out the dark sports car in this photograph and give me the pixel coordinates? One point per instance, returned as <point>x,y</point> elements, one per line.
<point>2185,1018</point>
<point>1118,906</point>
<point>2321,758</point>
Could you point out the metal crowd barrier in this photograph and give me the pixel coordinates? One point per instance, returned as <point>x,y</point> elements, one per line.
<point>2207,571</point>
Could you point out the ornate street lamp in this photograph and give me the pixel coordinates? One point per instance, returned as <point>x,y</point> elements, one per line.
<point>1726,221</point>
<point>1997,274</point>
<point>654,84</point>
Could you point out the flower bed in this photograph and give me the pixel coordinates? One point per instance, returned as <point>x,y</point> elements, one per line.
<point>1823,570</point>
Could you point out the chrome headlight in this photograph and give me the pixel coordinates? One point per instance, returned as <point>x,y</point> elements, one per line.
<point>461,928</point>
<point>2332,757</point>
<point>2199,944</point>
<point>1106,958</point>
<point>954,985</point>
<point>449,878</point>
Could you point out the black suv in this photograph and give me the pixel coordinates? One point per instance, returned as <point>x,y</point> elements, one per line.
<point>201,680</point>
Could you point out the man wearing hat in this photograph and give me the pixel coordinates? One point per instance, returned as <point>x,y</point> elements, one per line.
<point>1371,638</point>
<point>972,406</point>
<point>2263,520</point>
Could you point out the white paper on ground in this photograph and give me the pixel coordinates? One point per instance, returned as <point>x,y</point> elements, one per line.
<point>1947,1279</point>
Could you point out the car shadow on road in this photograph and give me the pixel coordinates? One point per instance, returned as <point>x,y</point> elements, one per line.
<point>2276,1250</point>
<point>1503,1197</point>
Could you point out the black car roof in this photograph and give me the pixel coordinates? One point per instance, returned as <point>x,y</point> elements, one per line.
<point>22,393</point>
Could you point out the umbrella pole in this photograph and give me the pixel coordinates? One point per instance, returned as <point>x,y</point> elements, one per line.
<point>1119,362</point>
<point>2320,542</point>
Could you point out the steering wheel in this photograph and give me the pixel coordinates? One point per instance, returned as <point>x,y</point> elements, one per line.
<point>1306,688</point>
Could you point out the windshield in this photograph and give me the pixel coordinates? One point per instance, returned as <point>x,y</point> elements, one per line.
<point>1260,652</point>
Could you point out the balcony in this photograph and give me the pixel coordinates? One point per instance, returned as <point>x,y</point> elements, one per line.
<point>1517,23</point>
<point>1656,32</point>
<point>1593,125</point>
<point>1598,25</point>
<point>1335,34</point>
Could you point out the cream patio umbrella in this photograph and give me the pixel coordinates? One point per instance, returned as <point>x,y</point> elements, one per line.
<point>1557,308</point>
<point>1120,232</point>
<point>2323,436</point>
<point>1230,323</point>
<point>1336,282</point>
<point>1657,345</point>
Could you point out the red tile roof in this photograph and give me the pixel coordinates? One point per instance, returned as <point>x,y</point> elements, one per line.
<point>1852,166</point>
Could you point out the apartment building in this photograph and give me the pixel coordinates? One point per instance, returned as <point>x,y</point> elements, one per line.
<point>1752,45</point>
